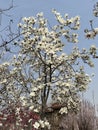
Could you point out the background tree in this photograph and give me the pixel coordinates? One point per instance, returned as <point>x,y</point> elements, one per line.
<point>85,119</point>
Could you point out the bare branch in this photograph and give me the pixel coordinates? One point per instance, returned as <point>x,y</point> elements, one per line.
<point>3,11</point>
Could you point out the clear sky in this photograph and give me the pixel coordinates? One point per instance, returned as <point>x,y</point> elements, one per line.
<point>83,8</point>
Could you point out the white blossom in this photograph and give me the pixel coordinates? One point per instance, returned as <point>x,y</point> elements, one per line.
<point>32,94</point>
<point>47,124</point>
<point>36,125</point>
<point>1,124</point>
<point>90,35</point>
<point>31,107</point>
<point>36,110</point>
<point>63,110</point>
<point>41,122</point>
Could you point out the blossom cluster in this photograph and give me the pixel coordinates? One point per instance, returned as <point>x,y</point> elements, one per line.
<point>15,118</point>
<point>91,34</point>
<point>67,21</point>
<point>41,124</point>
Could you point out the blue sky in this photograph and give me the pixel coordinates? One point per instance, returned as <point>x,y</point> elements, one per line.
<point>72,7</point>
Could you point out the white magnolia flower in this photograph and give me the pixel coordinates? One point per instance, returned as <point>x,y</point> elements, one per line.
<point>91,64</point>
<point>22,97</point>
<point>6,64</point>
<point>77,17</point>
<point>24,102</point>
<point>66,15</point>
<point>4,81</point>
<point>36,125</point>
<point>17,110</point>
<point>47,124</point>
<point>32,94</point>
<point>40,86</point>
<point>90,35</point>
<point>40,14</point>
<point>1,124</point>
<point>31,107</point>
<point>35,110</point>
<point>63,110</point>
<point>24,19</point>
<point>67,84</point>
<point>42,123</point>
<point>59,98</point>
<point>34,89</point>
<point>96,30</point>
<point>29,120</point>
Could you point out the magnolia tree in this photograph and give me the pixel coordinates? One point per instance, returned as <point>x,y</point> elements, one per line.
<point>42,72</point>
